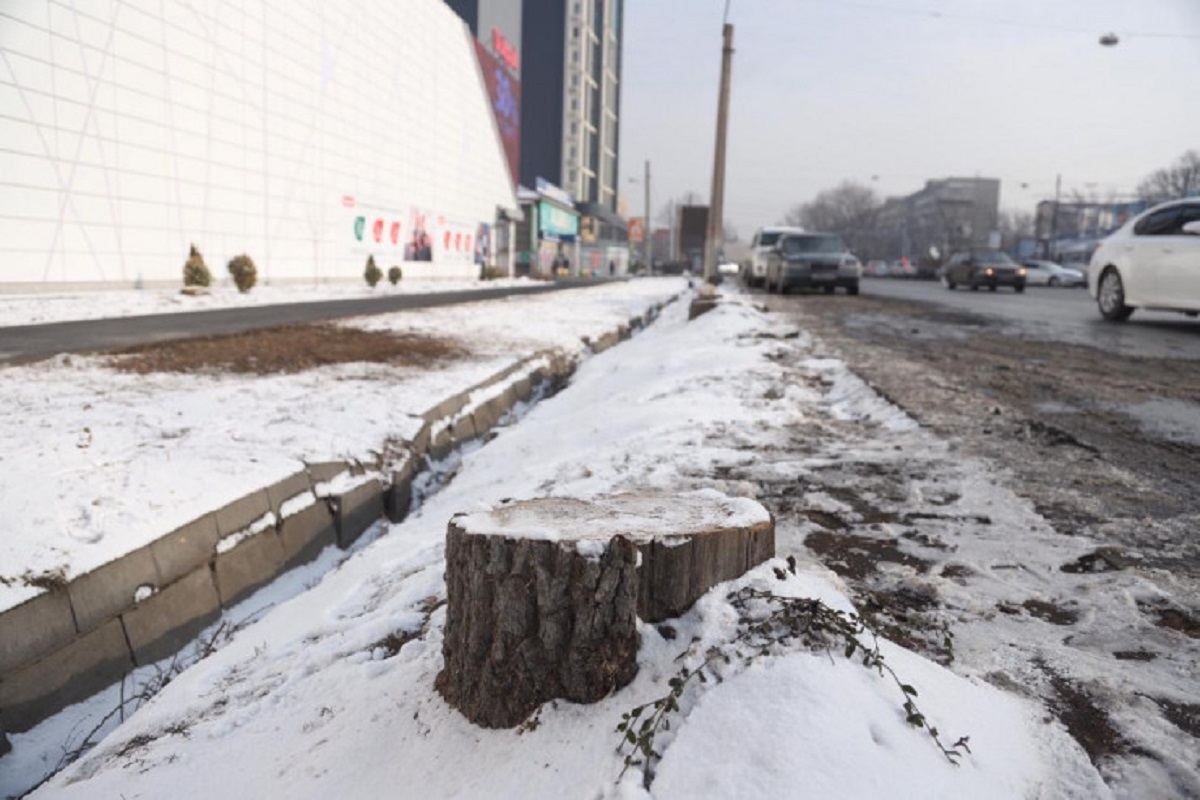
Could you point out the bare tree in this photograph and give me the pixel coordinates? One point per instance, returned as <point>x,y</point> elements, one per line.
<point>850,210</point>
<point>1177,180</point>
<point>1015,226</point>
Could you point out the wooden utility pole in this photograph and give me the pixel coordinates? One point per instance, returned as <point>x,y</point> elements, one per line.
<point>716,207</point>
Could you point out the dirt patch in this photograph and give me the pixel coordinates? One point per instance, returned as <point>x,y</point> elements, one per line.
<point>1087,723</point>
<point>856,557</point>
<point>1176,620</point>
<point>1106,559</point>
<point>1185,716</point>
<point>289,349</point>
<point>827,520</point>
<point>1054,614</point>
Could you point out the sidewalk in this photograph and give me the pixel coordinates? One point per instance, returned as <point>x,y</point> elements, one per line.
<point>331,693</point>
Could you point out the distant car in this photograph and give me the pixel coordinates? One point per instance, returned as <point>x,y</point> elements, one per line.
<point>812,260</point>
<point>876,269</point>
<point>1048,273</point>
<point>983,267</point>
<point>728,268</point>
<point>760,247</point>
<point>903,268</point>
<point>1153,262</point>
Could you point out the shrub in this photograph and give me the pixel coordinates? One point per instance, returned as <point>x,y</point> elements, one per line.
<point>372,273</point>
<point>195,271</point>
<point>394,275</point>
<point>244,273</point>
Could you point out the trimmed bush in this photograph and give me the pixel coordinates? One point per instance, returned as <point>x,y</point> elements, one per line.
<point>372,273</point>
<point>195,271</point>
<point>394,275</point>
<point>244,273</point>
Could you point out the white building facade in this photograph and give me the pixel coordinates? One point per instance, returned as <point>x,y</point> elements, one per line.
<point>305,134</point>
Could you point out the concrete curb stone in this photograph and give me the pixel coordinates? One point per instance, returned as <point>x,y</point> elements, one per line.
<point>280,492</point>
<point>169,619</point>
<point>306,533</point>
<point>75,672</point>
<point>186,548</point>
<point>107,591</point>
<point>34,628</point>
<point>240,513</point>
<point>357,510</point>
<point>254,562</point>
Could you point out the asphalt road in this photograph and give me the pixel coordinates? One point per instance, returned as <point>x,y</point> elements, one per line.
<point>31,342</point>
<point>1059,315</point>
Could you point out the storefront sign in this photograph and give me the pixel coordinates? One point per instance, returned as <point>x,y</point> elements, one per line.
<point>548,189</point>
<point>556,221</point>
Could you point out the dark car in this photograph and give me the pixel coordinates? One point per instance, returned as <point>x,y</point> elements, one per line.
<point>812,260</point>
<point>990,268</point>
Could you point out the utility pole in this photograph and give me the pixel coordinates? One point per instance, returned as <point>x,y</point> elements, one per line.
<point>716,207</point>
<point>647,229</point>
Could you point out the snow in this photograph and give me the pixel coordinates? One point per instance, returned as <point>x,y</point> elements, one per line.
<point>97,463</point>
<point>314,697</point>
<point>637,516</point>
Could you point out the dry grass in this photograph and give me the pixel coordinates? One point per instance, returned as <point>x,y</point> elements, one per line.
<point>286,350</point>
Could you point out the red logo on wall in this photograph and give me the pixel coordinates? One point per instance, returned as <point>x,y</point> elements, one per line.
<point>395,233</point>
<point>377,230</point>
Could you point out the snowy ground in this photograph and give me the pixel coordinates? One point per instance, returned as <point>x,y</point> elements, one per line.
<point>97,463</point>
<point>330,693</point>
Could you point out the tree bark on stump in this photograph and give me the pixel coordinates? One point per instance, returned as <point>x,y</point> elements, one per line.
<point>532,620</point>
<point>543,595</point>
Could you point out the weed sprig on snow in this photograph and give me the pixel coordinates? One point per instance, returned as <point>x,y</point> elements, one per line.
<point>770,625</point>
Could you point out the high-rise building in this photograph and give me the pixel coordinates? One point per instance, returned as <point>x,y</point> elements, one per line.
<point>572,92</point>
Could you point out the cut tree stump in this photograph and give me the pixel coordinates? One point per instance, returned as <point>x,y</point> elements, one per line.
<point>543,595</point>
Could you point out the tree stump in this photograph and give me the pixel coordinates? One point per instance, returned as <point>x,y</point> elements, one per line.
<point>543,595</point>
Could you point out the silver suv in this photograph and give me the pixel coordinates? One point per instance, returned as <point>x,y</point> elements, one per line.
<point>754,271</point>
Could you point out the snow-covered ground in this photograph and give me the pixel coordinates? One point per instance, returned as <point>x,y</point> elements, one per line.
<point>30,308</point>
<point>97,463</point>
<point>317,697</point>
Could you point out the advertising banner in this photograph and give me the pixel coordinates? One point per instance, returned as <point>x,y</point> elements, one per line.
<point>372,229</point>
<point>454,241</point>
<point>556,221</point>
<point>504,93</point>
<point>637,229</point>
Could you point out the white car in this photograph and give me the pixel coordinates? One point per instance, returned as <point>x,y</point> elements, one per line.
<point>761,245</point>
<point>1153,261</point>
<point>1047,273</point>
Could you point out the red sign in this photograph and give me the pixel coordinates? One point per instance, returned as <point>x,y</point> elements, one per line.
<point>505,51</point>
<point>637,229</point>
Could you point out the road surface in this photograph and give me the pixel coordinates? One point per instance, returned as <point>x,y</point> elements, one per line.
<point>1062,315</point>
<point>1097,427</point>
<point>31,342</point>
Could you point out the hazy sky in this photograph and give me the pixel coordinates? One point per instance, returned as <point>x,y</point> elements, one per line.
<point>892,92</point>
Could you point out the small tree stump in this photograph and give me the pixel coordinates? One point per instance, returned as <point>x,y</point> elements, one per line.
<point>543,595</point>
